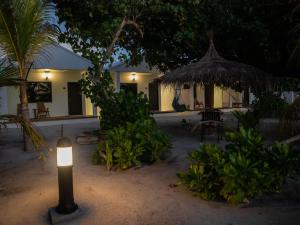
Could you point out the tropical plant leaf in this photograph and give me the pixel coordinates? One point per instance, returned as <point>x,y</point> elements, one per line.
<point>36,138</point>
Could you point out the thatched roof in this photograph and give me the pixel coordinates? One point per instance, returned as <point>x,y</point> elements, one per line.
<point>214,69</point>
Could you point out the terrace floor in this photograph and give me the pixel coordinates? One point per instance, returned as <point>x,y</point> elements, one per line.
<point>145,196</point>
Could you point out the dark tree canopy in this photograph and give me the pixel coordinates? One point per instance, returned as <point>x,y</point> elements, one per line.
<point>170,33</point>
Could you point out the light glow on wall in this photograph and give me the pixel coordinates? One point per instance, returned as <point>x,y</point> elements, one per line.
<point>46,74</point>
<point>133,77</point>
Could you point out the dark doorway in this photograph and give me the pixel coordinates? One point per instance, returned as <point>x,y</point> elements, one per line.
<point>129,87</point>
<point>153,96</point>
<point>209,96</point>
<point>74,99</point>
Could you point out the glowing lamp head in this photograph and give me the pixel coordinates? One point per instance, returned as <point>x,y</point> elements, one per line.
<point>133,76</point>
<point>46,74</point>
<point>64,152</point>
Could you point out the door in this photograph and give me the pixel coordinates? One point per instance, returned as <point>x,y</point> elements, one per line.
<point>74,98</point>
<point>209,96</point>
<point>129,87</point>
<point>153,96</point>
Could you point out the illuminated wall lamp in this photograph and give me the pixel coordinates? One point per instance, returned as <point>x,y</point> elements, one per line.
<point>46,74</point>
<point>133,77</point>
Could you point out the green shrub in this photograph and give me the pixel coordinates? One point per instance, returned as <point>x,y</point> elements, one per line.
<point>116,108</point>
<point>269,105</point>
<point>133,144</point>
<point>203,173</point>
<point>246,119</point>
<point>246,169</point>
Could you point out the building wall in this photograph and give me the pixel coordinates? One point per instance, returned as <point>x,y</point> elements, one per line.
<point>218,97</point>
<point>222,97</point>
<point>200,94</point>
<point>3,102</point>
<point>166,96</point>
<point>59,104</point>
<point>142,80</point>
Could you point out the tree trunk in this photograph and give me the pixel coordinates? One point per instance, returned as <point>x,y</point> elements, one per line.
<point>24,109</point>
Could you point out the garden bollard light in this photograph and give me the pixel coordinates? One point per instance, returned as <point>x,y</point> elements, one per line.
<point>65,177</point>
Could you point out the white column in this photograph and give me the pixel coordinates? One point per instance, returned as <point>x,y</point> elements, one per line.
<point>230,98</point>
<point>3,101</point>
<point>251,97</point>
<point>117,81</point>
<point>159,98</point>
<point>191,96</point>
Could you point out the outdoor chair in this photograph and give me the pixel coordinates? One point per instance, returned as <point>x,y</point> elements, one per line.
<point>210,120</point>
<point>41,111</point>
<point>198,105</point>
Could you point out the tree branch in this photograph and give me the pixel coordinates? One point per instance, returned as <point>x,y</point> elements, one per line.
<point>109,49</point>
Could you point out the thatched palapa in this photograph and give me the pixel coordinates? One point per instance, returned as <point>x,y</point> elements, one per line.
<point>214,69</point>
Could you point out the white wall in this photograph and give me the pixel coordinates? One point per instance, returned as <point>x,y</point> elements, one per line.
<point>3,101</point>
<point>289,96</point>
<point>200,94</point>
<point>166,96</point>
<point>59,104</point>
<point>141,79</point>
<point>218,99</point>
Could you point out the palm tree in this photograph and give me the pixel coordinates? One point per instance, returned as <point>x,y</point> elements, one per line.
<point>8,77</point>
<point>24,32</point>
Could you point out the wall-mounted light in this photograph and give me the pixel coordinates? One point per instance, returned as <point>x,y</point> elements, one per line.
<point>133,77</point>
<point>46,74</point>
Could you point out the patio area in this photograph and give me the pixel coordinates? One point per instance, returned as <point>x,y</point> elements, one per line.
<point>138,196</point>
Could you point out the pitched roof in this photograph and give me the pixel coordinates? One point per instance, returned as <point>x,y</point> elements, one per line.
<point>143,67</point>
<point>59,58</point>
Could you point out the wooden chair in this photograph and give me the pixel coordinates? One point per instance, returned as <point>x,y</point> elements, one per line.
<point>42,111</point>
<point>210,119</point>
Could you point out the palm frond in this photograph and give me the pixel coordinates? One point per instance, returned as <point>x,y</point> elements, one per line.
<point>29,130</point>
<point>8,75</point>
<point>25,29</point>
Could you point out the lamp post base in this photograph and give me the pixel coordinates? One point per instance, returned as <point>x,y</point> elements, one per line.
<point>65,186</point>
<point>57,218</point>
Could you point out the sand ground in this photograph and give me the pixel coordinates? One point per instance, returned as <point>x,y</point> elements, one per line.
<point>145,196</point>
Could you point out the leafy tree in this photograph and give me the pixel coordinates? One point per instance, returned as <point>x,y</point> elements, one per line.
<point>24,31</point>
<point>174,32</point>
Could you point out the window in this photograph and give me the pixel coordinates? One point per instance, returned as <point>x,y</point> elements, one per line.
<point>39,92</point>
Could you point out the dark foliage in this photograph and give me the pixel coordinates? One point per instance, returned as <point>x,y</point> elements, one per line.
<point>132,144</point>
<point>246,169</point>
<point>116,108</point>
<point>254,32</point>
